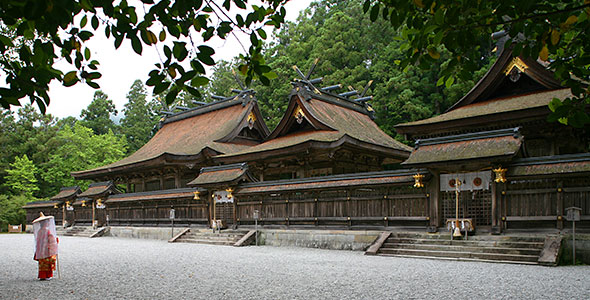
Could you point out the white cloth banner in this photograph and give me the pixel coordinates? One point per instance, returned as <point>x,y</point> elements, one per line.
<point>469,181</point>
<point>221,197</point>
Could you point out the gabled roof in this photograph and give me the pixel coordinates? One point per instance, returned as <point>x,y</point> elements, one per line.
<point>100,189</point>
<point>223,175</point>
<point>515,88</point>
<point>499,76</point>
<point>67,192</point>
<point>323,120</point>
<point>192,135</point>
<point>492,146</point>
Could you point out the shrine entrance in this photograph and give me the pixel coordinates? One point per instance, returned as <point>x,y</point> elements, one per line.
<point>475,197</point>
<point>475,205</point>
<point>224,209</point>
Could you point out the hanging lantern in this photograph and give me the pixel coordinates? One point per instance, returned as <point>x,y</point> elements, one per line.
<point>84,203</point>
<point>68,204</point>
<point>229,191</point>
<point>98,202</point>
<point>500,174</point>
<point>55,206</point>
<point>418,181</point>
<point>196,197</point>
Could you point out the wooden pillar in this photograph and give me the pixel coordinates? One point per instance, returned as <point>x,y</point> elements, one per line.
<point>93,212</point>
<point>161,182</point>
<point>434,199</point>
<point>143,184</point>
<point>129,187</point>
<point>63,214</point>
<point>560,205</point>
<point>494,204</point>
<point>177,179</point>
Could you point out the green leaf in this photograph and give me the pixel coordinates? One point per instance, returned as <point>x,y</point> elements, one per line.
<point>94,22</point>
<point>172,95</point>
<point>554,104</point>
<point>70,78</point>
<point>193,91</point>
<point>199,81</point>
<point>271,75</point>
<point>83,21</point>
<point>262,33</point>
<point>374,12</point>
<point>160,87</point>
<point>87,53</point>
<point>136,44</point>
<point>449,81</point>
<point>366,6</point>
<point>93,84</point>
<point>162,35</point>
<point>440,81</point>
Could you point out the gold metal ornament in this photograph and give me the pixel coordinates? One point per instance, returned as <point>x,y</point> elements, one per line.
<point>84,203</point>
<point>196,197</point>
<point>418,181</point>
<point>500,174</point>
<point>299,115</point>
<point>251,120</point>
<point>229,193</point>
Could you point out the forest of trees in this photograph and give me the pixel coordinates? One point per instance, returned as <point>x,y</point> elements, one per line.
<point>39,151</point>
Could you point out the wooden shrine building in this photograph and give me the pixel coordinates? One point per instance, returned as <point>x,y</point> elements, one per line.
<point>516,170</point>
<point>328,165</point>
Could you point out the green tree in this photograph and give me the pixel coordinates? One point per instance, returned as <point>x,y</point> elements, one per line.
<point>78,148</point>
<point>51,34</point>
<point>21,178</point>
<point>556,32</point>
<point>140,117</point>
<point>352,51</point>
<point>97,116</point>
<point>11,211</point>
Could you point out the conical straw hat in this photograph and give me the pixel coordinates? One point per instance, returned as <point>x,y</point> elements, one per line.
<point>42,218</point>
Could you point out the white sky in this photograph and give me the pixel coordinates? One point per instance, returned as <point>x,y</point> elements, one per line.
<point>121,67</point>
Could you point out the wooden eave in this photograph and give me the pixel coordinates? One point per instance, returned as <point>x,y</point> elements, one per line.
<point>503,119</point>
<point>450,151</point>
<point>335,181</point>
<point>171,194</point>
<point>225,175</point>
<point>344,141</point>
<point>67,193</point>
<point>41,204</point>
<point>550,166</point>
<point>100,189</point>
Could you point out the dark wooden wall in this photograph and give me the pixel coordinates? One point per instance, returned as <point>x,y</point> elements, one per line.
<point>542,203</point>
<point>157,213</point>
<point>370,206</point>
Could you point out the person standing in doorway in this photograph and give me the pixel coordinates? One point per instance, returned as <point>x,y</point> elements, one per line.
<point>45,245</point>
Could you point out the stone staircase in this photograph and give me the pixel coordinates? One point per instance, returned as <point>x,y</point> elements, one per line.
<point>206,236</point>
<point>488,248</point>
<point>80,231</point>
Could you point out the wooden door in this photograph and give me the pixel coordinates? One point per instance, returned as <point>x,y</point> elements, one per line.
<point>476,205</point>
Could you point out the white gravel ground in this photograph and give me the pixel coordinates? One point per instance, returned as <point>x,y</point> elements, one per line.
<point>115,268</point>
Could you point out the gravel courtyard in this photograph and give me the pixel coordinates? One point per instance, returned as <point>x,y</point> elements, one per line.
<point>115,268</point>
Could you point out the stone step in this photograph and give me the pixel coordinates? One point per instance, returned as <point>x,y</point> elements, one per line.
<point>206,241</point>
<point>477,243</point>
<point>462,259</point>
<point>462,255</point>
<point>485,237</point>
<point>456,248</point>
